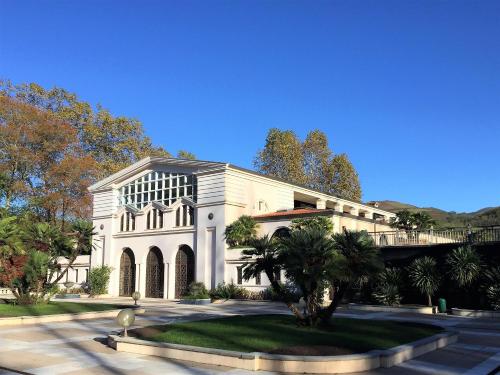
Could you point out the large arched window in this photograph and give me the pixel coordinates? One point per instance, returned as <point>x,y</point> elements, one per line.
<point>184,216</point>
<point>154,219</point>
<point>127,222</point>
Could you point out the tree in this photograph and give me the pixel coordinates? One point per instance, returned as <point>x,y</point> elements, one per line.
<point>114,142</point>
<point>282,156</point>
<point>263,256</point>
<point>387,289</point>
<point>241,231</point>
<point>316,160</point>
<point>310,163</point>
<point>424,276</point>
<point>343,180</point>
<point>464,265</point>
<point>182,154</point>
<point>308,256</point>
<point>318,222</point>
<point>359,261</point>
<point>42,162</point>
<point>407,220</point>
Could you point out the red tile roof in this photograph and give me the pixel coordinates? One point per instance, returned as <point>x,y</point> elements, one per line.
<point>296,212</point>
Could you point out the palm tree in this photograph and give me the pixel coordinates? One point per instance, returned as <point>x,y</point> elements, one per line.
<point>307,256</point>
<point>358,261</point>
<point>10,237</point>
<point>424,275</point>
<point>465,265</point>
<point>263,256</point>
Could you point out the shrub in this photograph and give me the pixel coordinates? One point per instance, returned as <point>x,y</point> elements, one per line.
<point>229,291</point>
<point>387,289</point>
<point>492,286</point>
<point>424,276</point>
<point>99,280</point>
<point>240,232</point>
<point>196,290</point>
<point>465,265</point>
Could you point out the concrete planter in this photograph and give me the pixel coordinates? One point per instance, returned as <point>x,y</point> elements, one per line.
<point>23,320</point>
<point>395,309</point>
<point>200,301</point>
<point>285,363</point>
<point>476,313</point>
<point>67,296</point>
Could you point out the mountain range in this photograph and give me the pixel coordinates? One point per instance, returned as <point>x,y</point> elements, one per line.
<point>445,219</point>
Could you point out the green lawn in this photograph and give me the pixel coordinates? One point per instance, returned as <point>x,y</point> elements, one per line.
<point>53,308</point>
<point>274,333</point>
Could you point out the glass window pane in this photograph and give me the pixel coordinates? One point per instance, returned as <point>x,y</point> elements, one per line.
<point>189,191</point>
<point>139,188</point>
<point>146,178</point>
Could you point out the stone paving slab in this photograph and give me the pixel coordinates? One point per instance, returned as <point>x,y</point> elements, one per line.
<point>77,347</point>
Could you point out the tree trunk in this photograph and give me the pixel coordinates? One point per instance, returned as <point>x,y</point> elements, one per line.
<point>429,300</point>
<point>278,289</point>
<point>326,314</point>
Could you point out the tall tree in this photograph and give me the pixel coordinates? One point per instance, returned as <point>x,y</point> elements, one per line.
<point>316,158</point>
<point>282,156</point>
<point>311,163</point>
<point>183,154</point>
<point>45,166</point>
<point>114,142</point>
<point>343,180</point>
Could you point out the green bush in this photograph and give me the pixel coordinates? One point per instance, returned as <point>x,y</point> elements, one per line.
<point>229,291</point>
<point>240,232</point>
<point>99,280</point>
<point>196,290</point>
<point>492,286</point>
<point>387,289</point>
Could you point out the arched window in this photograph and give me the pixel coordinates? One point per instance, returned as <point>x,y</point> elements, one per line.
<point>184,216</point>
<point>127,222</point>
<point>154,219</point>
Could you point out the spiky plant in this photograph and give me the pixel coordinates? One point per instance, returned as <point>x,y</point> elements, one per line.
<point>464,265</point>
<point>492,286</point>
<point>424,276</point>
<point>387,289</point>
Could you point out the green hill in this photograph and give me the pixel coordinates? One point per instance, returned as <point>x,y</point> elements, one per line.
<point>482,217</point>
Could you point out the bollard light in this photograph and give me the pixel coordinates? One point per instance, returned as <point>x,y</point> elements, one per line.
<point>136,296</point>
<point>125,319</point>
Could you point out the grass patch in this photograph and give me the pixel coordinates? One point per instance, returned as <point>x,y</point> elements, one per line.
<point>273,333</point>
<point>11,310</point>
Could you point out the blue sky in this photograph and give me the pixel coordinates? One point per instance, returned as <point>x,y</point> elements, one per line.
<point>409,89</point>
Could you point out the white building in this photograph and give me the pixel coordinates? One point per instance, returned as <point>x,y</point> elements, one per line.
<point>161,222</point>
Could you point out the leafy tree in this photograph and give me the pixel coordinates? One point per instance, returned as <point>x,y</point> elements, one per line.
<point>316,160</point>
<point>318,222</point>
<point>359,261</point>
<point>310,163</point>
<point>182,154</point>
<point>282,156</point>
<point>464,265</point>
<point>424,276</point>
<point>241,231</point>
<point>407,220</point>
<point>307,256</point>
<point>42,162</point>
<point>343,180</point>
<point>113,141</point>
<point>387,290</point>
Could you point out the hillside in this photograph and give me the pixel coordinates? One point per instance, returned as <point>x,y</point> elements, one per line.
<point>484,216</point>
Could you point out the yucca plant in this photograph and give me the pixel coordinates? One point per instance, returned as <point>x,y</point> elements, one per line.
<point>387,289</point>
<point>492,286</point>
<point>424,276</point>
<point>464,265</point>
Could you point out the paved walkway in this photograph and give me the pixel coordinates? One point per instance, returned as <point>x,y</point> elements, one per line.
<point>79,348</point>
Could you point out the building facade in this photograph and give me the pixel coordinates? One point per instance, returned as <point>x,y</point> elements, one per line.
<point>160,222</point>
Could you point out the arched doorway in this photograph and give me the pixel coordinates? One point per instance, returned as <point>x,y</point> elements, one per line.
<point>127,273</point>
<point>155,270</point>
<point>184,270</point>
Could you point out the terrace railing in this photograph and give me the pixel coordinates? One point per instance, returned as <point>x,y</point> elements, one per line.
<point>434,237</point>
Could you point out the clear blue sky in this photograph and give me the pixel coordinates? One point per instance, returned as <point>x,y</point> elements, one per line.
<point>409,89</point>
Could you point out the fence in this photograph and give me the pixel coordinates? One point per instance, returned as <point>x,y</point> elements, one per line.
<point>434,237</point>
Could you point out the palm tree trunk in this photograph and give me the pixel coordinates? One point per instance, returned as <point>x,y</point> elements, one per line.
<point>326,314</point>
<point>429,300</point>
<point>278,289</point>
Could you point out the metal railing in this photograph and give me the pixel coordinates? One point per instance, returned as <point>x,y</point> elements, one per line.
<point>434,237</point>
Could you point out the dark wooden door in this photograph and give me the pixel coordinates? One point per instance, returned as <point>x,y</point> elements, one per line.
<point>184,270</point>
<point>155,271</point>
<point>127,273</point>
